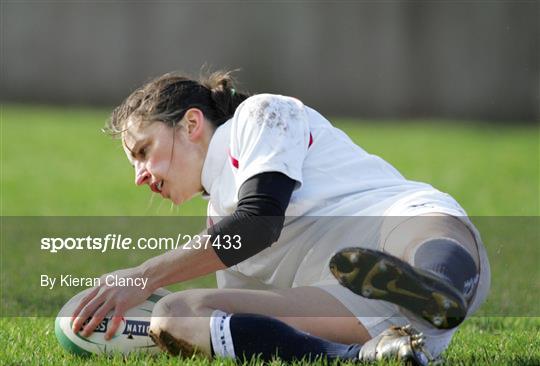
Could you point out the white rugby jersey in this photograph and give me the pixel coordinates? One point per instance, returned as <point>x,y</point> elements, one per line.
<point>335,178</point>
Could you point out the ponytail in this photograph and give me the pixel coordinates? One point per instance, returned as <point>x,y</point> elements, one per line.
<point>223,94</point>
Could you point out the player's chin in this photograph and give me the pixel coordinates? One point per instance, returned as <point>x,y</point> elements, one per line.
<point>176,199</point>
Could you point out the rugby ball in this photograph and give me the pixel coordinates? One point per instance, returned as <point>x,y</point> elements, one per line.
<point>132,334</point>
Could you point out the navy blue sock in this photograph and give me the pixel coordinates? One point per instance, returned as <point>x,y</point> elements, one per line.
<point>449,260</point>
<point>266,337</point>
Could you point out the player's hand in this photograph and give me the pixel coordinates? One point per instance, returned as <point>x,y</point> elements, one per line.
<point>103,298</point>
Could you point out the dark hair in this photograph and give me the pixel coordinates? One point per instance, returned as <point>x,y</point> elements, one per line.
<point>167,98</point>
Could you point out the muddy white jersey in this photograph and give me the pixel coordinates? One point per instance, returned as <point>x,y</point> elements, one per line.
<point>335,178</point>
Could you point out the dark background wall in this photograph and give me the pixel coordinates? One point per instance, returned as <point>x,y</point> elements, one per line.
<point>468,60</point>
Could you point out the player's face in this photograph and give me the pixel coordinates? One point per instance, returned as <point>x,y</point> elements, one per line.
<point>165,158</point>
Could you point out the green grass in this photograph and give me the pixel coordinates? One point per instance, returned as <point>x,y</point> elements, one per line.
<point>480,341</point>
<point>55,162</point>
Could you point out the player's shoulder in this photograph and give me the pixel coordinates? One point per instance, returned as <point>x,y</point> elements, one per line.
<point>269,115</point>
<point>268,105</point>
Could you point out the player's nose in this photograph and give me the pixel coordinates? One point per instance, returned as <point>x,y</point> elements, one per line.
<point>142,175</point>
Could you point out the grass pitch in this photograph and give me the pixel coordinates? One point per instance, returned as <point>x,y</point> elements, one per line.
<point>56,162</point>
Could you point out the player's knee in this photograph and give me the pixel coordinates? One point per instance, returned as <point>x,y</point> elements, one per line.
<point>173,314</point>
<point>176,323</point>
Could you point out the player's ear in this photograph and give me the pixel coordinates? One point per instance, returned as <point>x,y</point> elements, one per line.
<point>194,123</point>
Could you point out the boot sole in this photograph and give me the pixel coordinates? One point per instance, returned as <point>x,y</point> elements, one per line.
<point>378,275</point>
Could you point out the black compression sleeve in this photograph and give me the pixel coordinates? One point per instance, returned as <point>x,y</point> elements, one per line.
<point>258,218</point>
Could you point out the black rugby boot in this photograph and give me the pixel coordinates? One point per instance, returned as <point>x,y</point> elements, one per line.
<point>378,275</point>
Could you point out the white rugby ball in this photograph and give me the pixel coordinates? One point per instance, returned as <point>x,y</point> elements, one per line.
<point>132,334</point>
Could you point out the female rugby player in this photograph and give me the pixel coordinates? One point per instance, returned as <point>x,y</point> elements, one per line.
<point>340,255</point>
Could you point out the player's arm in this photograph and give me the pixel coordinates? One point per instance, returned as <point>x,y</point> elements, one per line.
<point>259,217</point>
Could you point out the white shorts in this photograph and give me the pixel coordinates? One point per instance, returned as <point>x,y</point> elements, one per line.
<point>376,315</point>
